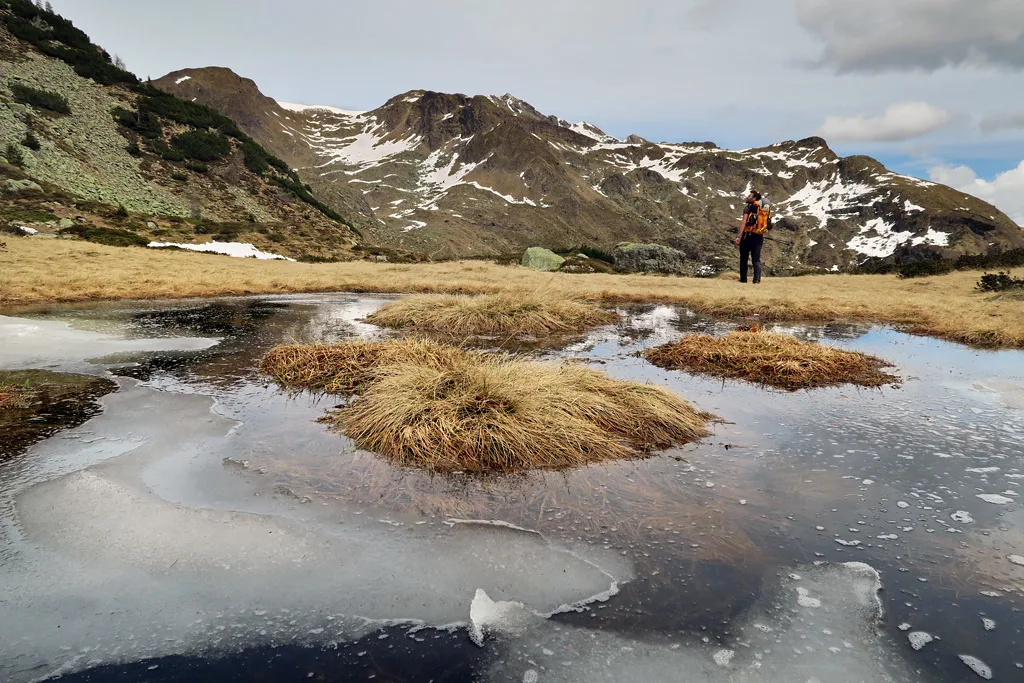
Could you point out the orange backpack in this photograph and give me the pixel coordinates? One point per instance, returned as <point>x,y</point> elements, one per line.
<point>763,222</point>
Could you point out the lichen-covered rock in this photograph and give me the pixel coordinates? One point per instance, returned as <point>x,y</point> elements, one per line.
<point>651,258</point>
<point>14,186</point>
<point>539,258</point>
<point>65,223</point>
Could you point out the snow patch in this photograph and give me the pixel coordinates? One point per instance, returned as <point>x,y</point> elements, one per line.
<point>290,106</point>
<point>235,249</point>
<point>182,80</point>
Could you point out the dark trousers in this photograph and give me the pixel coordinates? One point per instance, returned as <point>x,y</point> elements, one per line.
<point>750,247</point>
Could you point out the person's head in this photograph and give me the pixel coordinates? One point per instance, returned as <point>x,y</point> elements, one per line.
<point>754,196</point>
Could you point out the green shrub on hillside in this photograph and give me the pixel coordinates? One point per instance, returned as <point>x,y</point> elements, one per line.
<point>999,282</point>
<point>54,35</point>
<point>31,141</point>
<point>201,145</point>
<point>197,167</point>
<point>144,123</point>
<point>159,103</point>
<point>40,99</point>
<point>14,155</point>
<point>179,176</point>
<point>112,237</point>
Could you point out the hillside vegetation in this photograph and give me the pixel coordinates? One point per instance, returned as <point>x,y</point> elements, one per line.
<point>87,142</point>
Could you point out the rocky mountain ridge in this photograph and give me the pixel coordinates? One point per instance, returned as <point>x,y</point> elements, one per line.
<point>455,175</point>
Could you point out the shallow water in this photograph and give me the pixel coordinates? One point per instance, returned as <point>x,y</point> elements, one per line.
<point>204,527</point>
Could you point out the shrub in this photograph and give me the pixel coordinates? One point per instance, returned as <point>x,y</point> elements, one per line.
<point>121,212</point>
<point>197,167</point>
<point>31,141</point>
<point>40,99</point>
<point>999,282</point>
<point>179,176</point>
<point>144,123</point>
<point>173,154</point>
<point>54,35</point>
<point>112,237</point>
<point>14,155</point>
<point>201,145</point>
<point>134,149</point>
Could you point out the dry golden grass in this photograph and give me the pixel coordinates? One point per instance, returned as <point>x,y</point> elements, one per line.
<point>347,369</point>
<point>771,359</point>
<point>446,409</point>
<point>35,271</point>
<point>13,398</point>
<point>536,313</point>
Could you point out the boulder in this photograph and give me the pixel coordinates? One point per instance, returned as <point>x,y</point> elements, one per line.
<point>11,185</point>
<point>650,258</point>
<point>66,223</point>
<point>539,258</point>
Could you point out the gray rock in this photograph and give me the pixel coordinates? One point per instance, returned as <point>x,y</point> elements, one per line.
<point>650,258</point>
<point>539,258</point>
<point>66,223</point>
<point>151,225</point>
<point>11,185</point>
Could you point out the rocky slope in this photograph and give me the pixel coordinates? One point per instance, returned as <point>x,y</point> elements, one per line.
<point>84,142</point>
<point>452,175</point>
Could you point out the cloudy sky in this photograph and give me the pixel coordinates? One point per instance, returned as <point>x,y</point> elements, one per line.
<point>932,88</point>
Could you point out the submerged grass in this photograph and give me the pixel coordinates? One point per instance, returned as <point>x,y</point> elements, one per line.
<point>771,359</point>
<point>447,409</point>
<point>536,313</point>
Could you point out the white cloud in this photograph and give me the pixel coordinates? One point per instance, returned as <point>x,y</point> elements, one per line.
<point>888,35</point>
<point>1006,192</point>
<point>997,122</point>
<point>899,122</point>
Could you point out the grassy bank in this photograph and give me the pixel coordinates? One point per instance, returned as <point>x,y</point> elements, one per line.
<point>35,271</point>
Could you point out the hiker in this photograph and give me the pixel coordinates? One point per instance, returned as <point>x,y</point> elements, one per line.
<point>755,224</point>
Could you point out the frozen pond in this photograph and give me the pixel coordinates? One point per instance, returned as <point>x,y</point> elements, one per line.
<point>204,527</point>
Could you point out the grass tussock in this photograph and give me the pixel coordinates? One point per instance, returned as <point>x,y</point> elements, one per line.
<point>349,368</point>
<point>446,409</point>
<point>536,314</point>
<point>771,359</point>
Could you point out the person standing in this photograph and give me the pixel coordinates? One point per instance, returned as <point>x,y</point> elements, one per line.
<point>749,239</point>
